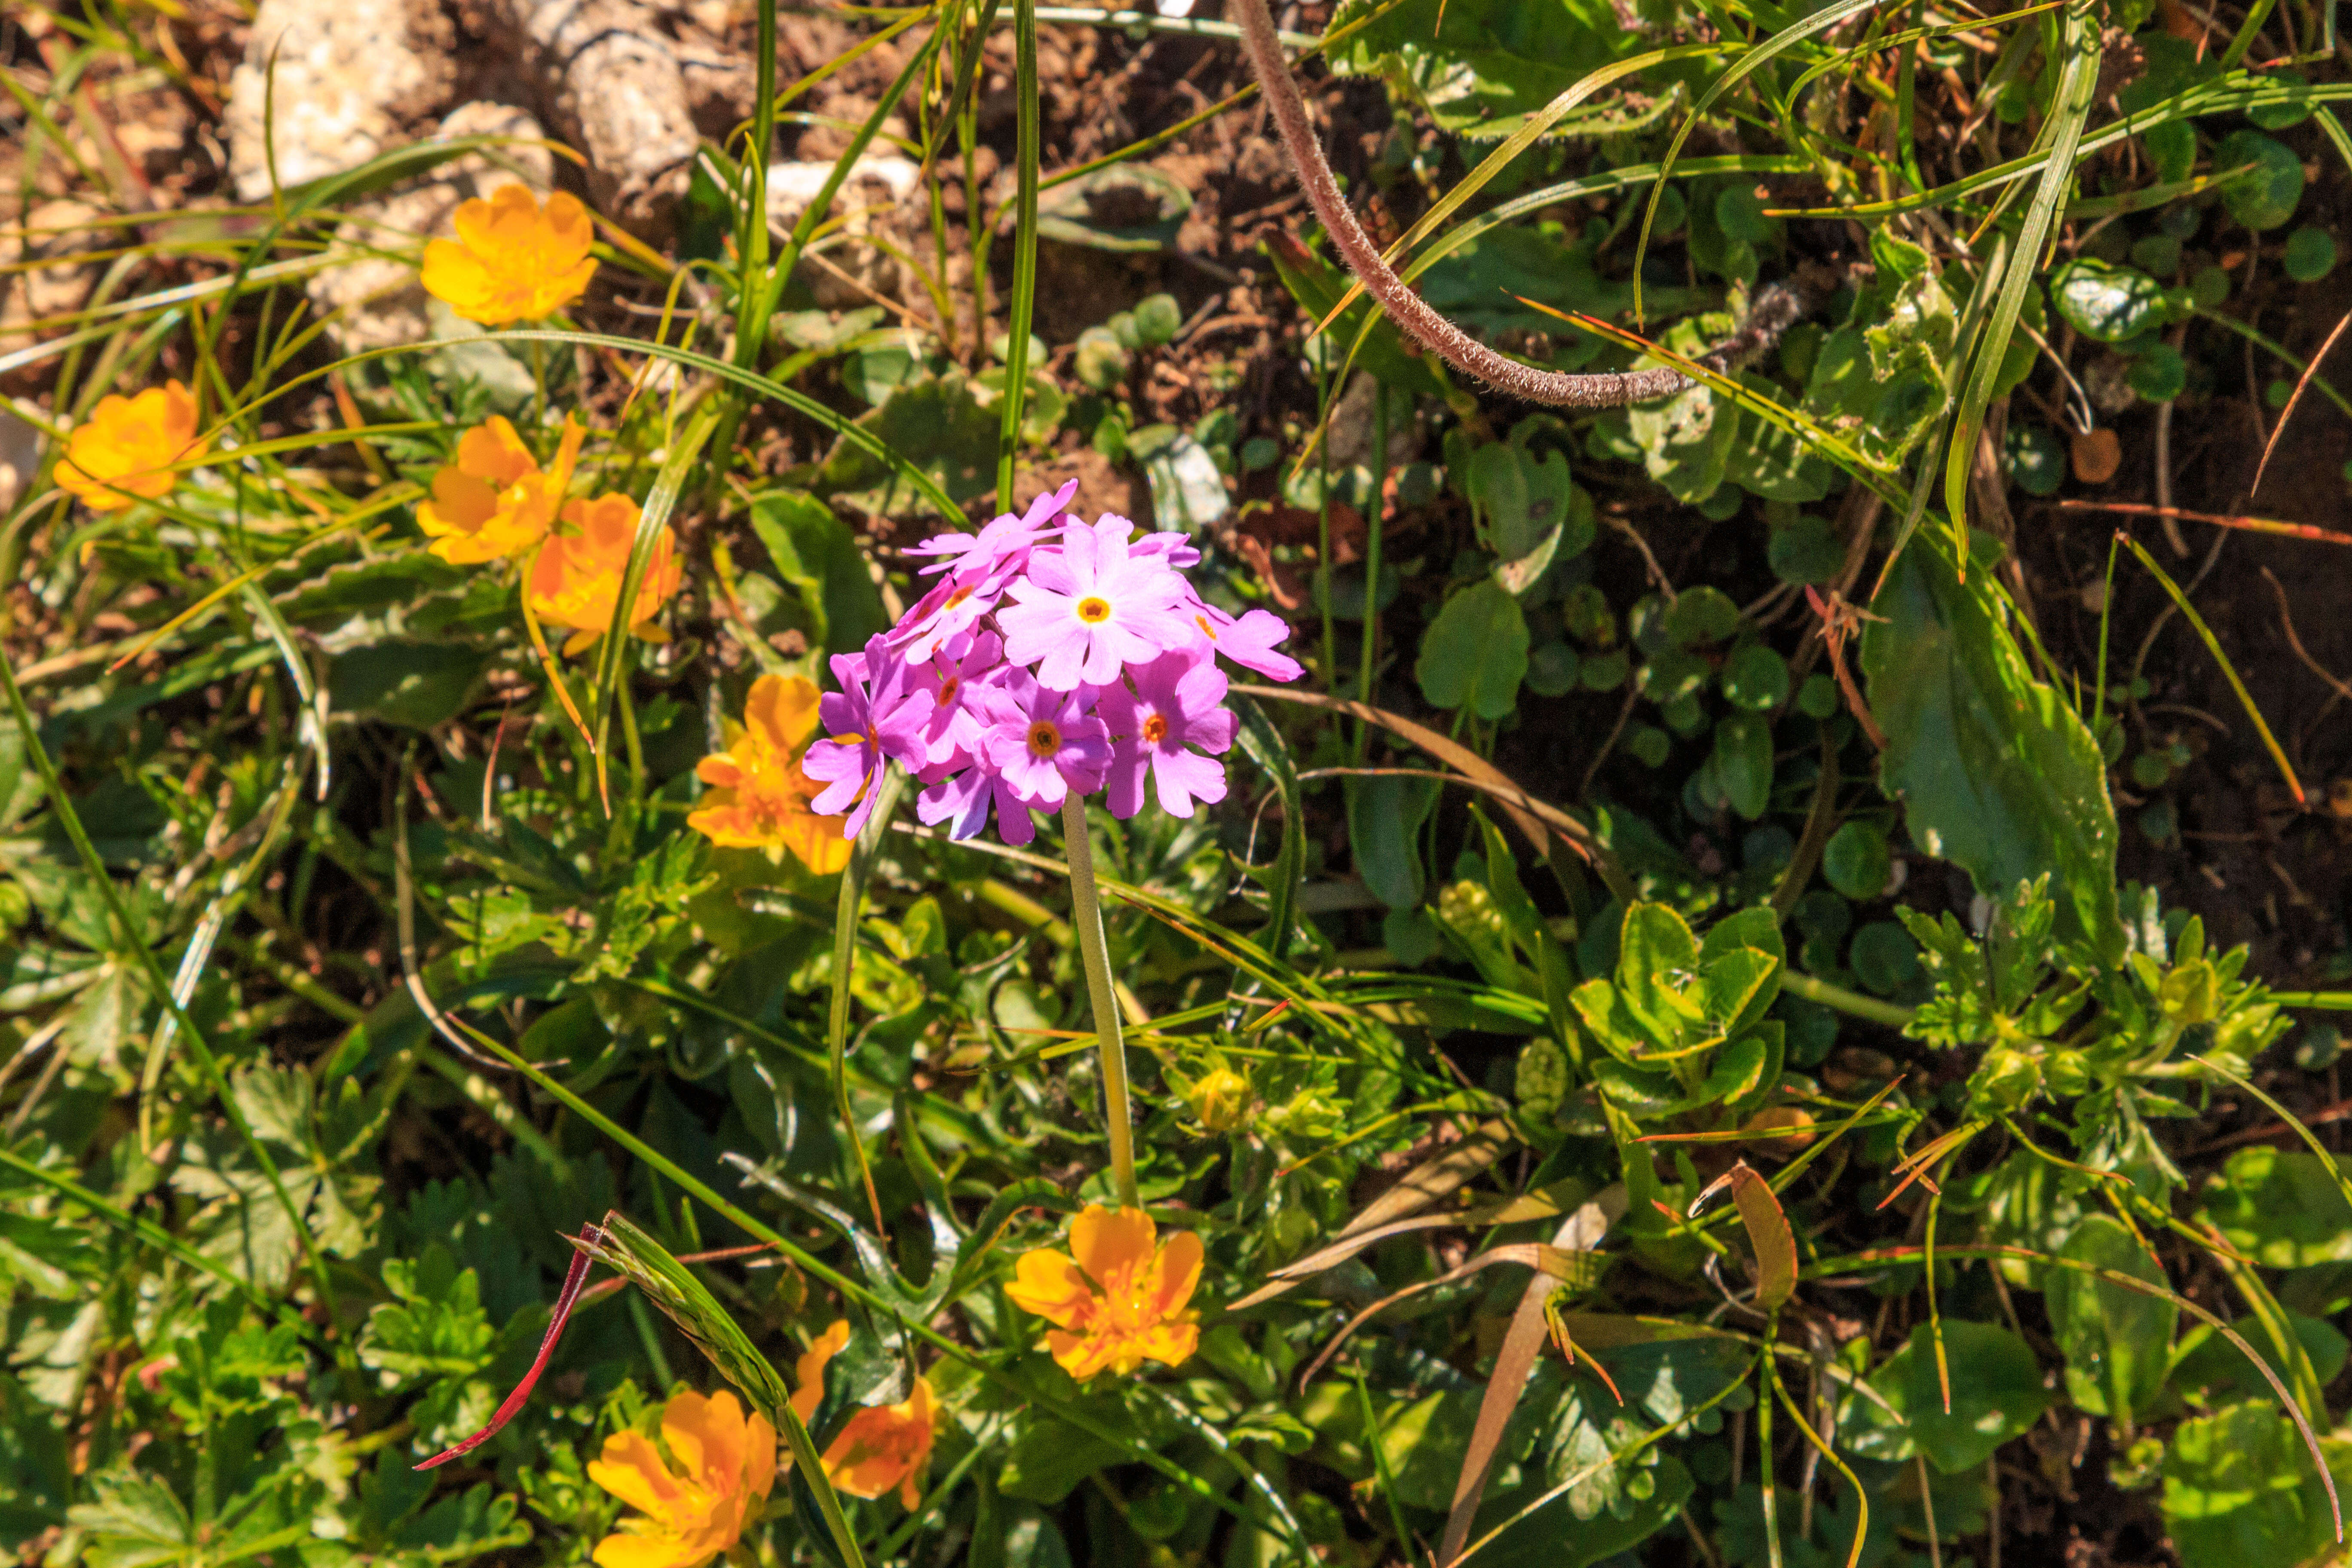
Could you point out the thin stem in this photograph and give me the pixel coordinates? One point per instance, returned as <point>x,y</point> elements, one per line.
<point>1086,914</point>
<point>1775,309</point>
<point>845,958</point>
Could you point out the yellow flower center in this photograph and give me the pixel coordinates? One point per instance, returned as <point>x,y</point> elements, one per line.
<point>1155,730</point>
<point>1094,611</point>
<point>1044,739</point>
<point>1206,630</point>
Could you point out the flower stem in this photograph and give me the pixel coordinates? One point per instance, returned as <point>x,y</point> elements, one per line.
<point>1086,914</point>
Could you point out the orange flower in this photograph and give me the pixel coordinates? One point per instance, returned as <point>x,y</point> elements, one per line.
<point>883,1446</point>
<point>1121,1300</point>
<point>493,501</point>
<point>576,579</point>
<point>512,259</point>
<point>759,797</point>
<point>727,1465</point>
<point>126,449</point>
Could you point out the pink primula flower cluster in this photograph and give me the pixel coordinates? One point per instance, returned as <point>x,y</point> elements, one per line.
<point>1053,657</point>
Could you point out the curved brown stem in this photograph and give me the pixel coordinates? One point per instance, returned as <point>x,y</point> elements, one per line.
<point>1775,309</point>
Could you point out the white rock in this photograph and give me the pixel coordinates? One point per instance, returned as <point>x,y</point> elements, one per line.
<point>873,198</point>
<point>791,187</point>
<point>345,72</point>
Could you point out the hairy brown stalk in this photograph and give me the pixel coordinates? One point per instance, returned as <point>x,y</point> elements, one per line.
<point>1775,309</point>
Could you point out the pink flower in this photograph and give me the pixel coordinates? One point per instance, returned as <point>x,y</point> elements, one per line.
<point>1249,641</point>
<point>1084,613</point>
<point>952,730</point>
<point>872,719</point>
<point>1044,743</point>
<point>1177,702</point>
<point>1005,543</point>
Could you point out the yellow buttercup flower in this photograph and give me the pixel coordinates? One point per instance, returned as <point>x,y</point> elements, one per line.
<point>881,1447</point>
<point>493,501</point>
<point>1118,1297</point>
<point>513,260</point>
<point>125,450</point>
<point>759,797</point>
<point>575,580</point>
<point>726,1464</point>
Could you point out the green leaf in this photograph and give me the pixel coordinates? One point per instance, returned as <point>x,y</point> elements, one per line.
<point>814,551</point>
<point>2265,195</point>
<point>1047,1458</point>
<point>2282,1208</point>
<point>1475,653</point>
<point>2240,1489</point>
<point>1384,818</point>
<point>1554,1536</point>
<point>434,1328</point>
<point>2117,1342</point>
<point>1125,206</point>
<point>1856,860</point>
<point>1997,772</point>
<point>940,426</point>
<point>407,682</point>
<point>1996,1394</point>
<point>136,1521</point>
<point>1756,678</point>
<point>1528,512</point>
<point>1481,67</point>
<point>2108,303</point>
<point>1743,761</point>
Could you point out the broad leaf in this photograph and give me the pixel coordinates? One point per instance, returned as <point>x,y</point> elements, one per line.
<point>2119,1342</point>
<point>1997,772</point>
<point>1996,1394</point>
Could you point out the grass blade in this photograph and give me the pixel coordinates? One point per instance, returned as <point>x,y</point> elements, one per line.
<point>2213,647</point>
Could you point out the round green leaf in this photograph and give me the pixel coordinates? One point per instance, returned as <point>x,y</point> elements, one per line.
<point>1101,360</point>
<point>1818,698</point>
<point>1551,669</point>
<point>1157,318</point>
<point>1702,614</point>
<point>1475,653</point>
<point>2108,303</point>
<point>2239,1489</point>
<point>2209,288</point>
<point>1756,678</point>
<point>2310,255</point>
<point>2037,459</point>
<point>1883,957</point>
<point>1856,861</point>
<point>2159,374</point>
<point>1997,1394</point>
<point>1741,214</point>
<point>2265,195</point>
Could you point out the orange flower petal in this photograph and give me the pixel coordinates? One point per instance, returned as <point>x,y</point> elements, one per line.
<point>1106,1240</point>
<point>1051,1285</point>
<point>630,1469</point>
<point>1174,1274</point>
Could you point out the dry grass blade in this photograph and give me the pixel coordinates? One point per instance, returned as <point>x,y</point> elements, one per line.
<point>2287,413</point>
<point>1768,1231</point>
<point>1547,1261</point>
<point>2249,524</point>
<point>1523,1341</point>
<point>1538,1205</point>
